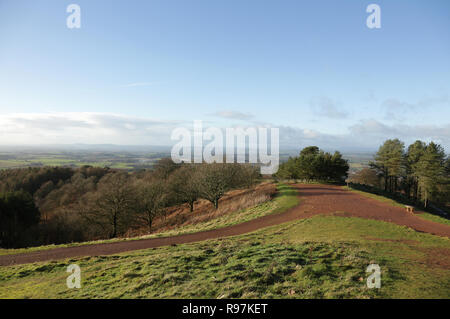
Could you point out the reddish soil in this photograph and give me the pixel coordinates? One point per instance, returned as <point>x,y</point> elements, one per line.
<point>322,199</point>
<point>315,199</point>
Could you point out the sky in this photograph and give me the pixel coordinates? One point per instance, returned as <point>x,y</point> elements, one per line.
<point>135,70</point>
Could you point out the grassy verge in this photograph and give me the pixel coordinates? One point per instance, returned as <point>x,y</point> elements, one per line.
<point>320,257</point>
<point>424,215</point>
<point>285,198</point>
<point>434,218</point>
<point>377,197</point>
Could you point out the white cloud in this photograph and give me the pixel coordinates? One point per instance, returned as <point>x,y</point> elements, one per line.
<point>396,104</point>
<point>235,115</point>
<point>375,132</point>
<point>47,128</point>
<point>107,128</point>
<point>367,134</point>
<point>325,107</point>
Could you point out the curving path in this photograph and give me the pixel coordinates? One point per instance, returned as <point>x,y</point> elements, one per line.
<point>315,199</point>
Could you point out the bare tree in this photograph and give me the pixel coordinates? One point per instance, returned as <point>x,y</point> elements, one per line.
<point>112,206</point>
<point>213,181</point>
<point>184,186</point>
<point>151,199</point>
<point>164,167</point>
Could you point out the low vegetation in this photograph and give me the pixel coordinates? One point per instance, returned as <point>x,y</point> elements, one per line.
<point>232,212</point>
<point>293,260</point>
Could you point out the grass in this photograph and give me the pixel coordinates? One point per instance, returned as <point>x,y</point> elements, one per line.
<point>320,257</point>
<point>377,197</point>
<point>434,218</point>
<point>423,215</point>
<point>286,198</point>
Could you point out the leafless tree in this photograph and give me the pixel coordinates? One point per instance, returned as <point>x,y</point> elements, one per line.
<point>184,185</point>
<point>151,199</point>
<point>112,206</point>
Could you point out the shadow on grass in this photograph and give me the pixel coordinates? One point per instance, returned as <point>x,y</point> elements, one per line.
<point>284,191</point>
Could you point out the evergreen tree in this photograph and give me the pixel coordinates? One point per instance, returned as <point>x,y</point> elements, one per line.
<point>413,155</point>
<point>389,162</point>
<point>430,170</point>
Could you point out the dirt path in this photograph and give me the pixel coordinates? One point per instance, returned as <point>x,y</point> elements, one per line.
<point>315,199</point>
<point>324,199</point>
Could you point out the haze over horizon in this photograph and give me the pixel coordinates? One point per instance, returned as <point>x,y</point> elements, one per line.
<point>136,70</point>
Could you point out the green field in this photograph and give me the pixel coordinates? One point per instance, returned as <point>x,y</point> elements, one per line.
<point>118,160</point>
<point>320,257</point>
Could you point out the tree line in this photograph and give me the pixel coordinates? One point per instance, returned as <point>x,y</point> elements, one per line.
<point>420,173</point>
<point>53,205</point>
<point>314,164</point>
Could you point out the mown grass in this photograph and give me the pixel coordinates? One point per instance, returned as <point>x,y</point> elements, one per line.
<point>424,215</point>
<point>285,198</point>
<point>320,257</point>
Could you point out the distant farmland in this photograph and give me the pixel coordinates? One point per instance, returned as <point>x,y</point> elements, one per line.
<point>122,160</point>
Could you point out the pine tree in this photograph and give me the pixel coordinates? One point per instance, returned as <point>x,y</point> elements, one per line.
<point>389,162</point>
<point>430,170</point>
<point>413,155</point>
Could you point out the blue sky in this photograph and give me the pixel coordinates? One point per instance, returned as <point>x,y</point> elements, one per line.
<point>136,69</point>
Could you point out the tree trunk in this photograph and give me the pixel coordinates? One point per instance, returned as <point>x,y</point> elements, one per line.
<point>386,181</point>
<point>392,184</point>
<point>416,188</point>
<point>114,234</point>
<point>216,203</point>
<point>150,222</point>
<point>191,206</point>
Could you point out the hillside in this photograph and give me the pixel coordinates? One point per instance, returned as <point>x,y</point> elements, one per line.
<point>316,255</point>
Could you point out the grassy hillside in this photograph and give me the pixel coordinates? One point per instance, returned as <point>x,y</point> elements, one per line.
<point>320,257</point>
<point>284,199</point>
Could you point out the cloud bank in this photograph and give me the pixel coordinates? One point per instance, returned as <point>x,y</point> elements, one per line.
<point>84,127</point>
<point>107,128</point>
